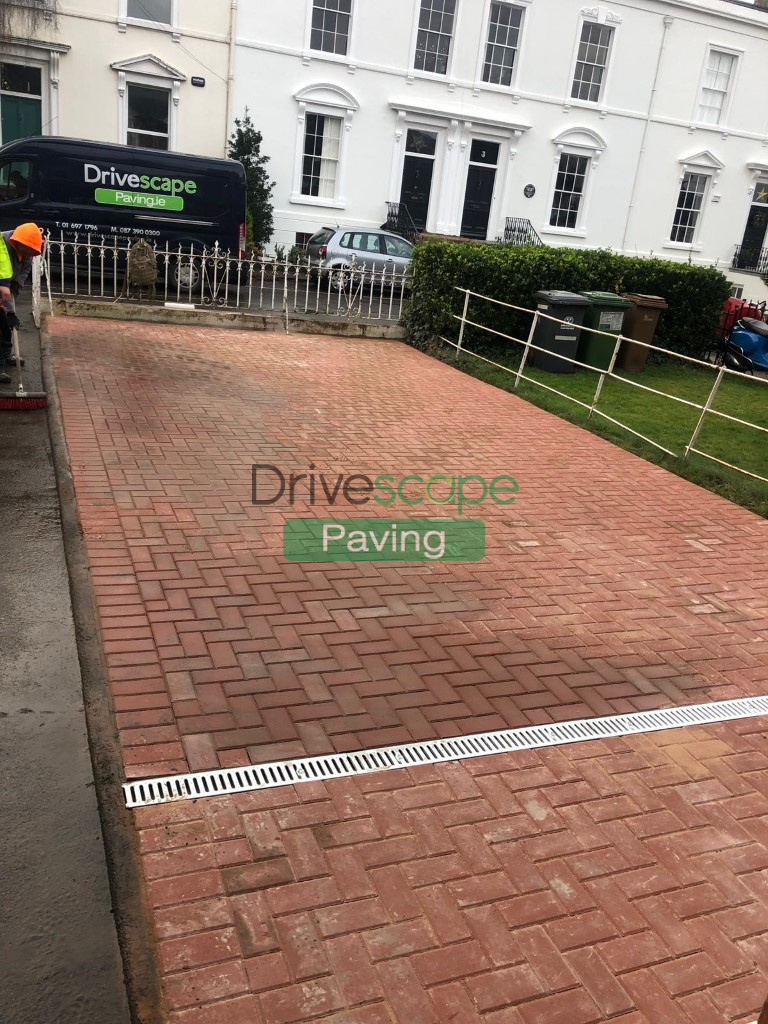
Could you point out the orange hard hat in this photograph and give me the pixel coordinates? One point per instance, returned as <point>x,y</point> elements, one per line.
<point>29,235</point>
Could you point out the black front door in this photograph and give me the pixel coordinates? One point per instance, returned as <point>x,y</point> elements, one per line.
<point>419,163</point>
<point>754,237</point>
<point>481,177</point>
<point>417,184</point>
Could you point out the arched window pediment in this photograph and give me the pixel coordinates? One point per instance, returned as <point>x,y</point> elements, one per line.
<point>326,95</point>
<point>582,138</point>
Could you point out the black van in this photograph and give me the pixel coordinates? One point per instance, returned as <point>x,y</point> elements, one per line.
<point>77,187</point>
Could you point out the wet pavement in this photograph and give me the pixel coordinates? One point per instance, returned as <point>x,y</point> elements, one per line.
<point>621,879</point>
<point>59,958</point>
<point>607,587</point>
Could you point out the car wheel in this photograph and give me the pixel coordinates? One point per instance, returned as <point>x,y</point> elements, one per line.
<point>340,278</point>
<point>185,275</point>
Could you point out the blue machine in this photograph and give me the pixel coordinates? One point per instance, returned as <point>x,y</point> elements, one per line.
<point>748,345</point>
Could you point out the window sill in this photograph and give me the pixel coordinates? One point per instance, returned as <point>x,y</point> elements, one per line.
<point>156,25</point>
<point>683,246</point>
<point>509,90</point>
<point>598,104</point>
<point>429,76</point>
<point>329,204</point>
<point>587,104</point>
<point>707,126</point>
<point>567,232</point>
<point>332,58</point>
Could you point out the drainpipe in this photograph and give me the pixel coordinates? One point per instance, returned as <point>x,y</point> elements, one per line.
<point>668,21</point>
<point>230,73</point>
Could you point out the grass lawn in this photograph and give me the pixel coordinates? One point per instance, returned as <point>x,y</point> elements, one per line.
<point>665,421</point>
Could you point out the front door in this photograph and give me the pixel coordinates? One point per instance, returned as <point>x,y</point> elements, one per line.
<point>418,168</point>
<point>754,233</point>
<point>481,177</point>
<point>20,101</point>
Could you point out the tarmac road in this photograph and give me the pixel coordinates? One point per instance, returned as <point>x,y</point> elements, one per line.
<point>59,956</point>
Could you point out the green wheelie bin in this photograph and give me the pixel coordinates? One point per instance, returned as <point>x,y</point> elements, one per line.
<point>605,313</point>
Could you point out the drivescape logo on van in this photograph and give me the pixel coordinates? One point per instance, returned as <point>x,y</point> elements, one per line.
<point>153,191</point>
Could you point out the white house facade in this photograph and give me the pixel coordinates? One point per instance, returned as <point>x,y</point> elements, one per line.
<point>637,127</point>
<point>154,73</point>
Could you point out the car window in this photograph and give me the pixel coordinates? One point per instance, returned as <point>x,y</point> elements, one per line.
<point>321,237</point>
<point>362,241</point>
<point>14,179</point>
<point>398,247</point>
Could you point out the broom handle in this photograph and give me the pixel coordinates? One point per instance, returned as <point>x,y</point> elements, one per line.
<point>16,355</point>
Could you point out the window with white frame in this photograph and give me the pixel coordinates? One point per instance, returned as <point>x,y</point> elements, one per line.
<point>433,41</point>
<point>159,11</point>
<point>502,45</point>
<point>330,26</point>
<point>21,100</point>
<point>718,75</point>
<point>569,190</point>
<point>689,203</point>
<point>148,116</point>
<point>320,161</point>
<point>591,62</point>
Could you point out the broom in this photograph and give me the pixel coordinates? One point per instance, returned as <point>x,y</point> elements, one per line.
<point>22,399</point>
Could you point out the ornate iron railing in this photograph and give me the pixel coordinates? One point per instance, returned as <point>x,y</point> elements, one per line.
<point>401,222</point>
<point>520,231</point>
<point>88,266</point>
<point>750,258</point>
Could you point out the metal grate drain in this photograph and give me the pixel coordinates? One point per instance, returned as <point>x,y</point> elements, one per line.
<point>223,782</point>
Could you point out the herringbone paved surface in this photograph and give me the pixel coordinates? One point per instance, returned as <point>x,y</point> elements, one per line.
<point>609,586</point>
<point>619,881</point>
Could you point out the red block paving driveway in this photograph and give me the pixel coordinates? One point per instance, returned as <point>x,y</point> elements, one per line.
<point>621,879</point>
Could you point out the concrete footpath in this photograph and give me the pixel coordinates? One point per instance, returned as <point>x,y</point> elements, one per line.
<point>624,880</point>
<point>59,956</point>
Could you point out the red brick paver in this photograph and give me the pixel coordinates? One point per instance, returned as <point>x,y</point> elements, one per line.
<point>609,586</point>
<point>621,880</point>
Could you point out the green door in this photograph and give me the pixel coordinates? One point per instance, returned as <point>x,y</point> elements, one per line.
<point>19,117</point>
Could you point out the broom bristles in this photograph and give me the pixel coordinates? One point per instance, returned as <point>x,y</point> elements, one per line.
<point>31,400</point>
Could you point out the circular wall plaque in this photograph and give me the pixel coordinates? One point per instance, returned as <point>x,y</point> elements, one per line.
<point>529,191</point>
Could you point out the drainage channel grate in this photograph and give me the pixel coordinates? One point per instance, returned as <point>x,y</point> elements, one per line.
<point>223,782</point>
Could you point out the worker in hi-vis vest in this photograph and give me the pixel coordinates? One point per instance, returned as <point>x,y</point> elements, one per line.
<point>17,249</point>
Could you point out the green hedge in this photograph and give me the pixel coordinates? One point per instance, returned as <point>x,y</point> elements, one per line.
<point>515,273</point>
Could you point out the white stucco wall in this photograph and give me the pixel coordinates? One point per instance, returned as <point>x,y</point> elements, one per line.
<point>641,136</point>
<point>82,90</point>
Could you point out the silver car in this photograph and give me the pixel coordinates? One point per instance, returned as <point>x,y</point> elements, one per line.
<point>340,251</point>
